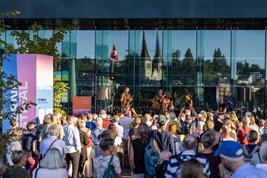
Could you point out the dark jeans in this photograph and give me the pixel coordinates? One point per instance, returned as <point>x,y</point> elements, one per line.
<point>74,158</point>
<point>83,157</point>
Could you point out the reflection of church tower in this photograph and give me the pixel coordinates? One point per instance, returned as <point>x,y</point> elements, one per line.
<point>157,62</point>
<point>145,63</point>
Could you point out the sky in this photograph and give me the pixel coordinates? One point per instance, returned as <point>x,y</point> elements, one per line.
<point>250,44</point>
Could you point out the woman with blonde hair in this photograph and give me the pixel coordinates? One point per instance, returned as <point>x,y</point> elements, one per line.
<point>176,138</point>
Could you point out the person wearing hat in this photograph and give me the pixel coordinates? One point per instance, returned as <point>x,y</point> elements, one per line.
<point>232,157</point>
<point>163,139</point>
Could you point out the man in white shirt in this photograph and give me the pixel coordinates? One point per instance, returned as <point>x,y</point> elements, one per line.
<point>73,145</point>
<point>125,123</point>
<point>119,128</point>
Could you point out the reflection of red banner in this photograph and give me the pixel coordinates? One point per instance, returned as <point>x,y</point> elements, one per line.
<point>81,104</point>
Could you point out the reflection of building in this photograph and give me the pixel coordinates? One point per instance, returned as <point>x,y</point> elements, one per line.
<point>150,71</point>
<point>157,62</point>
<point>244,79</point>
<point>145,63</point>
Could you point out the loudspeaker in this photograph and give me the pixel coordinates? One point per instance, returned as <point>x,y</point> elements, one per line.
<point>210,96</point>
<point>102,93</point>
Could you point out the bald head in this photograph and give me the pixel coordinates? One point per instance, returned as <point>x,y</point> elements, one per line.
<point>190,142</point>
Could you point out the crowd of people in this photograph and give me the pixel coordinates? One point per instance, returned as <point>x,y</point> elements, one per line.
<point>215,144</point>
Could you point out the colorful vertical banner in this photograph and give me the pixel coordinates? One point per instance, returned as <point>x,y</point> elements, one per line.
<point>34,72</point>
<point>26,66</point>
<point>44,86</point>
<point>10,68</point>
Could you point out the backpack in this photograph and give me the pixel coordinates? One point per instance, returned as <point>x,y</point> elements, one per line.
<point>247,156</point>
<point>152,158</point>
<point>110,171</point>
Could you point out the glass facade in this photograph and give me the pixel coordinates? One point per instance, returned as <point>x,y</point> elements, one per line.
<point>206,63</point>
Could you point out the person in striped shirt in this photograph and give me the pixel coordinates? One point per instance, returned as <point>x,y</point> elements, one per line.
<point>190,145</point>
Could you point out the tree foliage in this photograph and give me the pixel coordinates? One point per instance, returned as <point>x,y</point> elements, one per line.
<point>60,88</point>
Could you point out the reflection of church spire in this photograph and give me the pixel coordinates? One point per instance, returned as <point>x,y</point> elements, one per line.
<point>157,62</point>
<point>157,57</point>
<point>144,54</point>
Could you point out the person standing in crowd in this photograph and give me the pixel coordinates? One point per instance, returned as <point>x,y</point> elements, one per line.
<point>147,120</point>
<point>90,123</point>
<point>136,151</point>
<point>188,172</point>
<point>73,145</point>
<point>243,131</point>
<point>226,133</point>
<point>84,141</point>
<point>231,154</point>
<point>137,121</point>
<point>14,124</point>
<point>161,168</point>
<point>190,145</point>
<point>44,132</point>
<point>88,163</point>
<point>119,128</point>
<point>56,120</point>
<point>105,120</point>
<point>14,144</point>
<point>52,141</point>
<point>176,138</point>
<point>96,137</point>
<point>29,145</point>
<point>162,138</point>
<point>217,135</point>
<point>126,99</point>
<point>252,146</point>
<point>256,158</point>
<point>19,159</point>
<point>230,102</point>
<point>263,156</point>
<point>207,141</point>
<point>52,165</point>
<point>102,162</point>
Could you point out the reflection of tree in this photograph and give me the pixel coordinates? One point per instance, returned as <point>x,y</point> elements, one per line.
<point>188,68</point>
<point>245,68</point>
<point>215,68</point>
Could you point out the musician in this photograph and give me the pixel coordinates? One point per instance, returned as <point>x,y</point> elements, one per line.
<point>166,103</point>
<point>156,103</point>
<point>188,100</point>
<point>126,100</point>
<point>229,101</point>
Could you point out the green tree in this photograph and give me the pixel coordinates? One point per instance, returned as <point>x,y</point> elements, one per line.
<point>29,44</point>
<point>60,88</point>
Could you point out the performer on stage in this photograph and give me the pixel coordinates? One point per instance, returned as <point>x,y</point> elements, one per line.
<point>166,103</point>
<point>229,101</point>
<point>188,100</point>
<point>156,103</point>
<point>126,100</point>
